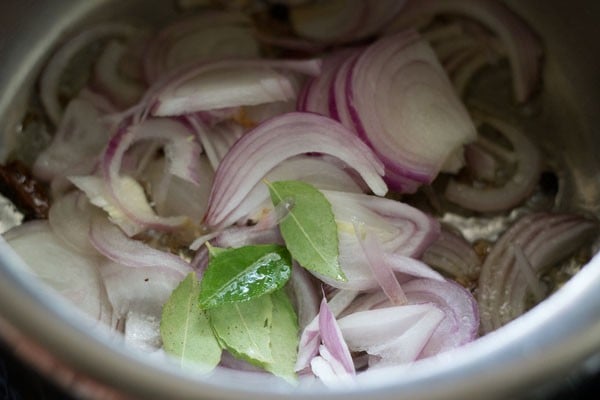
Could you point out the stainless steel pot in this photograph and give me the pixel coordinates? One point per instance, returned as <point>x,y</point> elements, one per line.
<point>526,357</point>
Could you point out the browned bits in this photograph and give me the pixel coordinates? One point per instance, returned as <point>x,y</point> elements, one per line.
<point>27,194</point>
<point>482,248</point>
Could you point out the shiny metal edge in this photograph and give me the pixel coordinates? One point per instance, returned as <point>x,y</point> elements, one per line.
<point>518,362</point>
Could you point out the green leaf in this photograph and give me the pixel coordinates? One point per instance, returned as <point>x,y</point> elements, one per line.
<point>241,274</point>
<point>284,337</point>
<point>244,329</point>
<point>185,329</point>
<point>309,229</point>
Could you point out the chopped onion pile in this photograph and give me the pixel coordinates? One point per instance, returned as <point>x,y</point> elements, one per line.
<point>171,143</point>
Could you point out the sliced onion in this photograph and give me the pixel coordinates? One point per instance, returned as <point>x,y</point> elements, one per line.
<point>317,91</point>
<point>122,196</point>
<point>276,140</point>
<point>545,239</point>
<point>121,90</point>
<point>322,172</point>
<point>382,272</point>
<point>329,22</point>
<point>175,196</point>
<point>519,186</point>
<point>51,76</point>
<point>460,320</point>
<point>142,217</point>
<point>332,339</point>
<point>454,256</point>
<point>308,347</point>
<point>70,273</point>
<point>461,316</point>
<point>216,140</point>
<point>338,92</point>
<point>229,361</point>
<point>70,217</point>
<point>402,230</point>
<point>481,164</point>
<point>254,115</point>
<point>522,45</point>
<point>137,296</point>
<point>305,296</point>
<point>396,335</point>
<point>467,70</point>
<point>411,267</point>
<point>110,241</point>
<point>231,83</point>
<point>411,115</point>
<point>410,230</point>
<point>310,338</point>
<point>182,152</point>
<point>210,35</point>
<point>248,235</point>
<point>340,21</point>
<point>80,136</point>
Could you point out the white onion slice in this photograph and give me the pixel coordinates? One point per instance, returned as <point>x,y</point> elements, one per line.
<point>317,92</point>
<point>305,296</point>
<point>460,321</point>
<point>308,347</point>
<point>70,273</point>
<point>332,339</point>
<point>519,186</point>
<point>328,21</point>
<point>208,36</point>
<point>137,295</point>
<point>396,335</point>
<point>453,255</point>
<point>461,316</point>
<point>175,196</point>
<point>409,230</point>
<point>122,196</point>
<point>322,172</point>
<point>382,272</point>
<point>544,239</point>
<point>276,140</point>
<point>230,83</point>
<point>121,90</point>
<point>523,47</point>
<point>80,136</point>
<point>216,140</point>
<point>142,215</point>
<point>411,116</point>
<point>70,217</point>
<point>402,230</point>
<point>51,76</point>
<point>110,241</point>
<point>340,21</point>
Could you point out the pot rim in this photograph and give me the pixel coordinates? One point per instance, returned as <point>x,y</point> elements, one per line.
<point>545,343</point>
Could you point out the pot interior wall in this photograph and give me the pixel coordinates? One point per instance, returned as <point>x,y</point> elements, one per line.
<point>564,120</point>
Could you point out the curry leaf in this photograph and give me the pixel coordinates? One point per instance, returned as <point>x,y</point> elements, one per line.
<point>244,329</point>
<point>244,273</point>
<point>309,229</point>
<point>185,329</point>
<point>284,337</point>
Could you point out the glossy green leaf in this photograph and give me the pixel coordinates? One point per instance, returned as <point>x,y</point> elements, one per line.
<point>309,229</point>
<point>284,337</point>
<point>244,273</point>
<point>244,329</point>
<point>185,329</point>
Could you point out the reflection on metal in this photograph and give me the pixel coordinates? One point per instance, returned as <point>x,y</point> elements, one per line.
<point>9,215</point>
